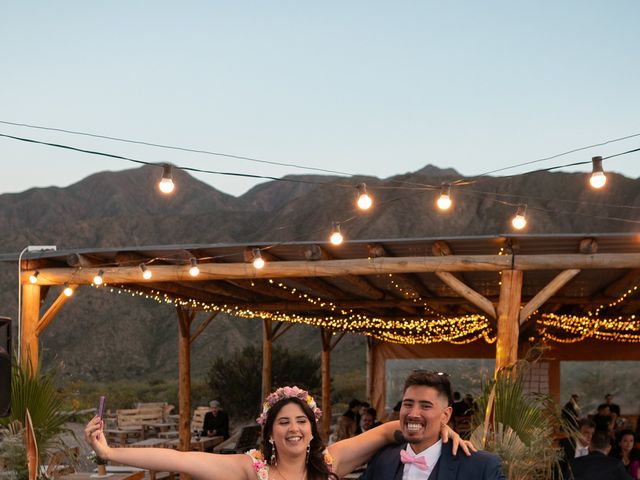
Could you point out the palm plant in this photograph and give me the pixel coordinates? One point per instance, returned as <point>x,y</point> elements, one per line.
<point>34,390</point>
<point>519,427</point>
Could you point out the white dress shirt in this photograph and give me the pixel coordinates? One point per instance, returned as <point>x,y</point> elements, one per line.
<point>431,455</point>
<point>581,450</point>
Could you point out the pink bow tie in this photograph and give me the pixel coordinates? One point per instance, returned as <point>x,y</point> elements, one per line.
<point>419,462</point>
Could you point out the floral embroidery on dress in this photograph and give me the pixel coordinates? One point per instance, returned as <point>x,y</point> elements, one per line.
<point>328,459</point>
<point>259,465</point>
<point>262,469</point>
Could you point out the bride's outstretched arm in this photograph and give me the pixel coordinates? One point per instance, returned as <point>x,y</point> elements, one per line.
<point>198,464</point>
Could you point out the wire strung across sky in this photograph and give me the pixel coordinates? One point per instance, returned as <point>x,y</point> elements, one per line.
<point>405,185</point>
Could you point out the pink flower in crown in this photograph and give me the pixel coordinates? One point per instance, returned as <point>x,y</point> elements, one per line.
<point>288,392</point>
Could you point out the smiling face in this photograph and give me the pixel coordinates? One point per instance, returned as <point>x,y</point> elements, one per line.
<point>422,412</point>
<point>291,431</point>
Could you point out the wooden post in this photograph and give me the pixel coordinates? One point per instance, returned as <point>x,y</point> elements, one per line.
<point>370,343</point>
<point>267,345</point>
<point>326,383</point>
<point>508,319</point>
<point>30,317</point>
<point>184,380</point>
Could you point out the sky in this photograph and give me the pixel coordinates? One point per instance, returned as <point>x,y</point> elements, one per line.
<point>360,87</point>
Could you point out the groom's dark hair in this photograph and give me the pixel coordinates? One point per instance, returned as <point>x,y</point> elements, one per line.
<point>437,380</point>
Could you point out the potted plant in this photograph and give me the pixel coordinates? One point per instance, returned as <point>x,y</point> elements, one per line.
<point>100,462</point>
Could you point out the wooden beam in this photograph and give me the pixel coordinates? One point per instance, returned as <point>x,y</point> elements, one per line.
<point>618,287</point>
<point>29,350</point>
<point>333,268</point>
<point>280,329</point>
<point>185,317</point>
<point>267,345</point>
<point>326,382</point>
<point>546,293</point>
<point>467,292</point>
<point>363,287</point>
<point>53,310</point>
<point>508,311</point>
<point>201,328</point>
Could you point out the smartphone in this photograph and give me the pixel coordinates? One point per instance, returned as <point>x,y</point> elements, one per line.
<point>101,406</point>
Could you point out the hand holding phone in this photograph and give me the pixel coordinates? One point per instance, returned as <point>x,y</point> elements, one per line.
<point>101,406</point>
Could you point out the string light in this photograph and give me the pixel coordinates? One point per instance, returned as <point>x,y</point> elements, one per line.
<point>68,291</point>
<point>146,273</point>
<point>364,200</point>
<point>258,261</point>
<point>598,178</point>
<point>194,271</point>
<point>444,200</point>
<point>33,278</point>
<point>336,237</point>
<point>98,280</point>
<point>166,185</point>
<point>519,221</point>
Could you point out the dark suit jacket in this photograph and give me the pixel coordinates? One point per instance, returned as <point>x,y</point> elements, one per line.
<point>598,466</point>
<point>219,423</point>
<point>386,465</point>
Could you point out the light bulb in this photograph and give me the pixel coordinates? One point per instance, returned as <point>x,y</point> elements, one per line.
<point>98,280</point>
<point>166,184</point>
<point>520,220</point>
<point>364,200</point>
<point>444,200</point>
<point>336,237</point>
<point>598,178</point>
<point>258,261</point>
<point>33,278</point>
<point>68,291</point>
<point>146,273</point>
<point>194,271</point>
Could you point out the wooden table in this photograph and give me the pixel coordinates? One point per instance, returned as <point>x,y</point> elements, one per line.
<point>120,435</point>
<point>159,426</point>
<point>110,476</point>
<point>148,443</point>
<point>201,444</point>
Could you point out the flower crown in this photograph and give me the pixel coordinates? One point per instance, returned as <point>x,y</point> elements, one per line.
<point>288,392</point>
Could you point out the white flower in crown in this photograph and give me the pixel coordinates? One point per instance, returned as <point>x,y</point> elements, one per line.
<point>288,392</point>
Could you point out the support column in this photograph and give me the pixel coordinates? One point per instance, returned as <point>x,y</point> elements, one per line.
<point>30,316</point>
<point>267,345</point>
<point>508,319</point>
<point>554,379</point>
<point>185,318</point>
<point>326,383</point>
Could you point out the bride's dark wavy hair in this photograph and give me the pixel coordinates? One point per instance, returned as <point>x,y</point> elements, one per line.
<point>316,468</point>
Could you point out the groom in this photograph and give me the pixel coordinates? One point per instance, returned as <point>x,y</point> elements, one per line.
<point>426,405</point>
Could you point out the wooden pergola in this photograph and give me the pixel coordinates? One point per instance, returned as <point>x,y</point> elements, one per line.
<point>494,292</point>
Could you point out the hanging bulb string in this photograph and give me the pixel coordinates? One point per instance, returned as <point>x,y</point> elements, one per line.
<point>181,149</point>
<point>544,159</point>
<point>459,182</point>
<point>560,212</point>
<point>294,165</point>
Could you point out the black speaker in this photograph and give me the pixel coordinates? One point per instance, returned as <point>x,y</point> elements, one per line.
<point>5,366</point>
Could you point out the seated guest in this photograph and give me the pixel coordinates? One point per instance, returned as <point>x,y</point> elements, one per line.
<point>598,465</point>
<point>216,421</point>
<point>625,450</point>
